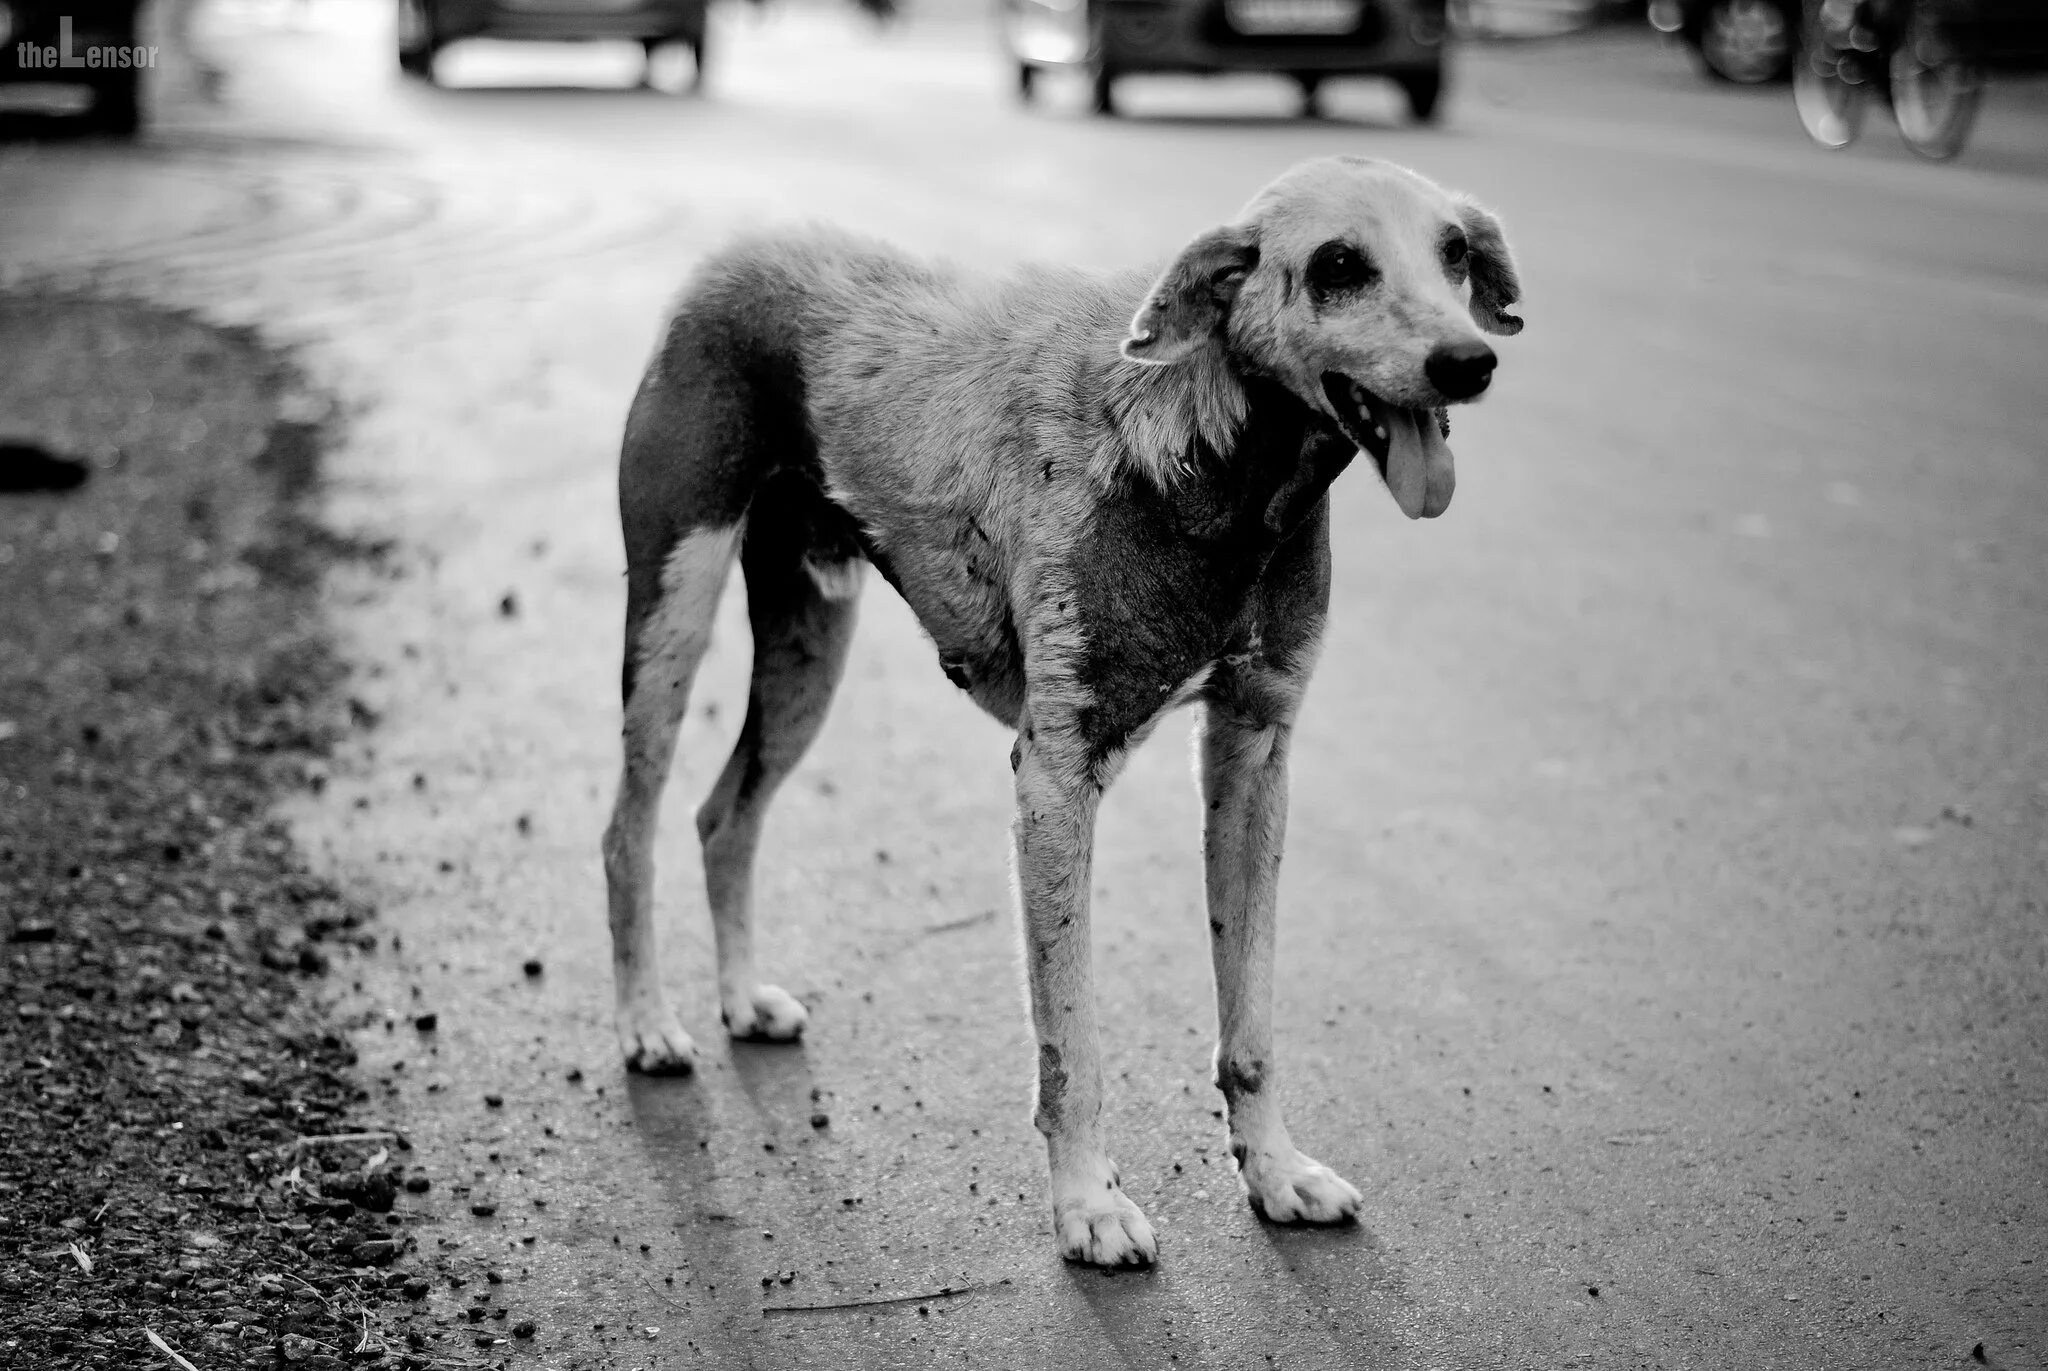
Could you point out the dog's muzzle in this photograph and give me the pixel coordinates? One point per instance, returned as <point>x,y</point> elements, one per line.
<point>1407,445</point>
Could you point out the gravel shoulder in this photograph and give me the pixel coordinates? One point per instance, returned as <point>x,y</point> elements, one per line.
<point>185,1153</point>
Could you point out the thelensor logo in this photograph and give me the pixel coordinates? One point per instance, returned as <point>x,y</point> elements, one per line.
<point>64,55</point>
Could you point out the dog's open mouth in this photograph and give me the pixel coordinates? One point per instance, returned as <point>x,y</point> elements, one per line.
<point>1406,444</point>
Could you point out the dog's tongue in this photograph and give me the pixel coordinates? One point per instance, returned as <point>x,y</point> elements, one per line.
<point>1418,465</point>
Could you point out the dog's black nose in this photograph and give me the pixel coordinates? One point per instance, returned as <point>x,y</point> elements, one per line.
<point>1461,370</point>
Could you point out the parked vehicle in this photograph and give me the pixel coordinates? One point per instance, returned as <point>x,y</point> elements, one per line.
<point>1748,42</point>
<point>39,39</point>
<point>427,26</point>
<point>1309,40</point>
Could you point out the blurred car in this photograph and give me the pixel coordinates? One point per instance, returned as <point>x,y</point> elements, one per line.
<point>1748,42</point>
<point>1309,40</point>
<point>427,26</point>
<point>54,29</point>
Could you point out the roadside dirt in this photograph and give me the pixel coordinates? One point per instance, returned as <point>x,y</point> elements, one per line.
<point>184,1150</point>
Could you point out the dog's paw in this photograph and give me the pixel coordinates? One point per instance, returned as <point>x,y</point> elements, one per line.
<point>654,1043</point>
<point>1103,1227</point>
<point>771,1015</point>
<point>1287,1187</point>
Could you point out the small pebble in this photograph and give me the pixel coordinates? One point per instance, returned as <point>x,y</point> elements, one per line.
<point>523,1329</point>
<point>418,1185</point>
<point>427,1023</point>
<point>533,966</point>
<point>820,1120</point>
<point>495,1101</point>
<point>483,1211</point>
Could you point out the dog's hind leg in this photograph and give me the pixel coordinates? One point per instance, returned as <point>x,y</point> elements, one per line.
<point>1244,737</point>
<point>802,611</point>
<point>668,629</point>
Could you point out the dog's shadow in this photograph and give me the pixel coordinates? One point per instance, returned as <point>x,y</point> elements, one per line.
<point>678,1124</point>
<point>776,1079</point>
<point>1336,1274</point>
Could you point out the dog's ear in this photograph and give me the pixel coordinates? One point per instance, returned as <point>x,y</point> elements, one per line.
<point>1192,297</point>
<point>1495,285</point>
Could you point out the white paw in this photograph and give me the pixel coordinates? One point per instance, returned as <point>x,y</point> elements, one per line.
<point>1287,1187</point>
<point>655,1043</point>
<point>771,1015</point>
<point>1098,1224</point>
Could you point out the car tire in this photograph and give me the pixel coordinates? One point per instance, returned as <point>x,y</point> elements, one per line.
<point>651,50</point>
<point>117,106</point>
<point>1102,90</point>
<point>1311,95</point>
<point>417,42</point>
<point>1746,42</point>
<point>1424,90</point>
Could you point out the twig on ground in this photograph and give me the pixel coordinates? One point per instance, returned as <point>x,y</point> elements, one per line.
<point>955,925</point>
<point>345,1138</point>
<point>366,1343</point>
<point>942,1293</point>
<point>165,1348</point>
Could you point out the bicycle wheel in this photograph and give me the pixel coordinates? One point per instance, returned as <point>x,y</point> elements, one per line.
<point>1935,89</point>
<point>1829,87</point>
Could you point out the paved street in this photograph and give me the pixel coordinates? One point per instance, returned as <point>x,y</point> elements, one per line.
<point>1664,944</point>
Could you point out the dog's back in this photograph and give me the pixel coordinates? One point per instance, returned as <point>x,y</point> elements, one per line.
<point>867,398</point>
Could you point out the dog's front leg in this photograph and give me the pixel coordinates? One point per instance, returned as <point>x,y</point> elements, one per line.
<point>1093,1220</point>
<point>1244,790</point>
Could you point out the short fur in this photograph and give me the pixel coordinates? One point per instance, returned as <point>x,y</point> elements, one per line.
<point>1093,522</point>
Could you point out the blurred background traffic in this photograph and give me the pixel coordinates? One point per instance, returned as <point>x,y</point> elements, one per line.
<point>1927,60</point>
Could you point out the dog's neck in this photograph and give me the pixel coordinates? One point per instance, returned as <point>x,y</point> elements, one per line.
<point>1164,420</point>
<point>1237,457</point>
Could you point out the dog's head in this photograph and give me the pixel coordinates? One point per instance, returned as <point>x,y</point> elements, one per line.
<point>1363,288</point>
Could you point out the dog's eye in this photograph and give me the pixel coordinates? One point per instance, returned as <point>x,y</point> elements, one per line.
<point>1454,251</point>
<point>1337,268</point>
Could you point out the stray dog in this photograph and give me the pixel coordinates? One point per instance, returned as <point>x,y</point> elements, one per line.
<point>1096,517</point>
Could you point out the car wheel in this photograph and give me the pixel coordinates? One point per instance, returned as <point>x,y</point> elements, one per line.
<point>1935,89</point>
<point>417,43</point>
<point>1828,88</point>
<point>117,106</point>
<point>653,49</point>
<point>1101,90</point>
<point>1746,42</point>
<point>1424,89</point>
<point>1311,95</point>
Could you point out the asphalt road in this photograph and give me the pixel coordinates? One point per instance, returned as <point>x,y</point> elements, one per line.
<point>1665,918</point>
